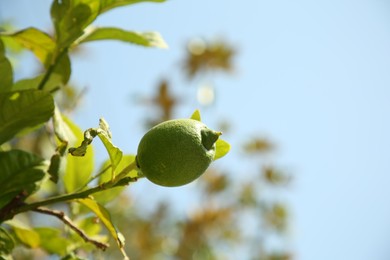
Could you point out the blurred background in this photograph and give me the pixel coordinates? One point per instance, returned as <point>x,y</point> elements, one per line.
<point>301,91</point>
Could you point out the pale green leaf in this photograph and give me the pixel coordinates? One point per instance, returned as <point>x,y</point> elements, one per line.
<point>28,83</point>
<point>71,17</point>
<point>221,149</point>
<point>103,214</point>
<point>78,169</point>
<point>25,234</point>
<point>196,115</point>
<point>90,225</point>
<point>54,82</point>
<point>110,4</point>
<point>33,39</point>
<point>19,173</point>
<point>52,241</point>
<point>147,39</point>
<point>114,152</point>
<point>106,196</point>
<point>7,243</point>
<point>6,72</point>
<point>23,109</point>
<point>61,128</point>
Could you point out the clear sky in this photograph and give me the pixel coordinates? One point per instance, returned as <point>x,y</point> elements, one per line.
<point>312,75</point>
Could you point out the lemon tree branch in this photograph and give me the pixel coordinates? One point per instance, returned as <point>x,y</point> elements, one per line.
<point>67,221</point>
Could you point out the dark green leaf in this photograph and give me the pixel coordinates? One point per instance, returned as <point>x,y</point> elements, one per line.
<point>221,149</point>
<point>81,150</point>
<point>110,4</point>
<point>6,72</point>
<point>61,70</point>
<point>54,168</point>
<point>6,242</point>
<point>78,169</point>
<point>40,43</point>
<point>19,173</point>
<point>147,39</point>
<point>70,18</point>
<point>56,160</point>
<point>23,109</point>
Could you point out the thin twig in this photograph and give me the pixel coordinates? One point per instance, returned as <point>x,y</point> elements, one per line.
<point>61,216</point>
<point>17,201</point>
<point>125,256</point>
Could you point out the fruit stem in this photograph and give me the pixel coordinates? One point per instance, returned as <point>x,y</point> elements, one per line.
<point>209,137</point>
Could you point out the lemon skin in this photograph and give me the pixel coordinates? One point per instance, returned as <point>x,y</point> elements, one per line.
<point>176,152</point>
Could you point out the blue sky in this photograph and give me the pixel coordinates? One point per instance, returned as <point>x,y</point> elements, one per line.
<point>311,75</point>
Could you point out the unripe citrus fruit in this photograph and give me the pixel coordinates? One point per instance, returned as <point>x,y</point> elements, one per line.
<point>176,152</point>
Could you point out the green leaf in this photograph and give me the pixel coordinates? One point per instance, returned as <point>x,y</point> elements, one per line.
<point>28,83</point>
<point>23,109</point>
<point>64,134</point>
<point>103,214</point>
<point>7,244</point>
<point>110,194</point>
<point>147,39</point>
<point>25,234</point>
<point>78,169</point>
<point>114,152</point>
<point>55,81</point>
<point>196,115</point>
<point>221,149</point>
<point>61,128</point>
<point>62,71</point>
<point>54,168</point>
<point>52,241</point>
<point>71,17</point>
<point>73,256</point>
<point>6,72</point>
<point>110,4</point>
<point>19,173</point>
<point>33,39</point>
<point>90,225</point>
<point>126,161</point>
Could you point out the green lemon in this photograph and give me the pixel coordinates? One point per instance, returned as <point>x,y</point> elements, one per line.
<point>176,152</point>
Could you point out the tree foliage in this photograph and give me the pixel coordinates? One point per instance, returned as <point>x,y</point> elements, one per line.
<point>47,162</point>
